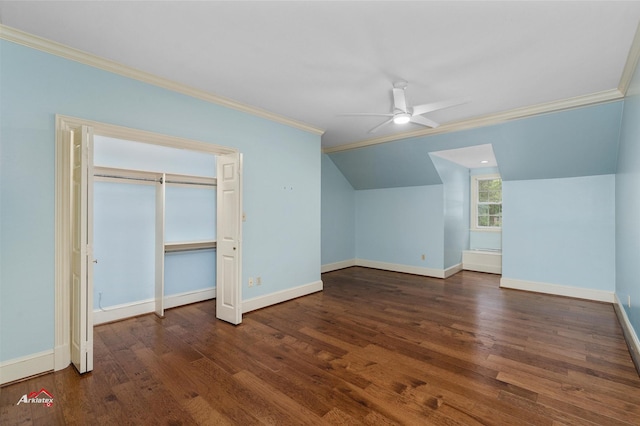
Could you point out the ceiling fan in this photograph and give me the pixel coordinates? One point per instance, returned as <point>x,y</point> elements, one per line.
<point>402,113</point>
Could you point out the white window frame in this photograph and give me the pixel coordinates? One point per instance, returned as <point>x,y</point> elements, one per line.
<point>474,203</point>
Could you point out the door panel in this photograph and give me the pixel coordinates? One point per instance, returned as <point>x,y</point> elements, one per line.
<point>229,208</point>
<point>82,253</point>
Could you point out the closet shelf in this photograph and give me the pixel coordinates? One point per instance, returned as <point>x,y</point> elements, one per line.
<point>189,245</point>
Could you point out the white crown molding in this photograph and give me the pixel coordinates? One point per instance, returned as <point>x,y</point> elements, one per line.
<point>630,65</point>
<point>491,119</point>
<point>61,50</point>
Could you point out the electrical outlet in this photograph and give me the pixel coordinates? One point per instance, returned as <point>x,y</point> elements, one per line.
<point>424,257</point>
<point>250,282</point>
<point>258,280</point>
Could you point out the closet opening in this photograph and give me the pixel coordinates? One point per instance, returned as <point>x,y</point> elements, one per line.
<point>154,233</point>
<point>144,222</point>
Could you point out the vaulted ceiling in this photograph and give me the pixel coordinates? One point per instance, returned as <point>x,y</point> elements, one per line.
<point>312,61</point>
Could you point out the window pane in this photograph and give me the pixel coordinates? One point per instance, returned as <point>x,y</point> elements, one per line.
<point>490,184</point>
<point>488,203</point>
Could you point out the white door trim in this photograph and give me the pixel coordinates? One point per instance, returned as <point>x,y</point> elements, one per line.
<point>63,223</point>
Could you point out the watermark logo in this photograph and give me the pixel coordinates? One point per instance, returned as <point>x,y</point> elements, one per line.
<point>40,397</point>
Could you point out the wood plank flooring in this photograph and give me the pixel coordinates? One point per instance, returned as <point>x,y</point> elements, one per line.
<point>374,348</point>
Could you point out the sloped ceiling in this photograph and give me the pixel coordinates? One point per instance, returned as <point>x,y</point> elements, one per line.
<point>312,61</point>
<point>577,142</point>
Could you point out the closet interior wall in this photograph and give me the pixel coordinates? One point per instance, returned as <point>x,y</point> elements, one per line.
<point>154,228</point>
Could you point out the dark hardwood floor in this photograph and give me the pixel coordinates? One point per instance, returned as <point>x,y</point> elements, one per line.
<point>374,348</point>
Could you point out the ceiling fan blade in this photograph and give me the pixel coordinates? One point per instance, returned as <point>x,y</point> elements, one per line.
<point>424,121</point>
<point>375,129</point>
<point>425,108</point>
<point>372,114</point>
<point>399,100</point>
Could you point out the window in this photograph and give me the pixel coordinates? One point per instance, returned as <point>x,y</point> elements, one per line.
<point>486,202</point>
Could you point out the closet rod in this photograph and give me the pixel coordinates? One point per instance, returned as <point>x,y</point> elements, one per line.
<point>190,183</point>
<point>154,180</point>
<point>128,178</point>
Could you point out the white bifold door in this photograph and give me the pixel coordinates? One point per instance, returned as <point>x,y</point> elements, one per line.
<point>82,250</point>
<point>229,208</point>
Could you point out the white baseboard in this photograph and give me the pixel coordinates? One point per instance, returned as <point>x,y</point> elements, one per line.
<point>491,269</point>
<point>337,265</point>
<point>125,310</point>
<point>128,310</point>
<point>20,368</point>
<point>416,270</point>
<point>482,261</point>
<point>189,297</point>
<point>407,269</point>
<point>630,334</point>
<point>558,290</point>
<point>280,296</point>
<point>452,270</point>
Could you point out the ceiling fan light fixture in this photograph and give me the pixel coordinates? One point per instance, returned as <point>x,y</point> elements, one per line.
<point>402,118</point>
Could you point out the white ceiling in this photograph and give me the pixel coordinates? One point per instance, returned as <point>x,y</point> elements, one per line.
<point>471,157</point>
<point>312,61</point>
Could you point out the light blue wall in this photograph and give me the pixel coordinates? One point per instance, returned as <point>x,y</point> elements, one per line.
<point>281,237</point>
<point>455,179</point>
<point>190,213</point>
<point>124,243</point>
<point>560,231</point>
<point>628,206</point>
<point>479,240</point>
<point>282,204</point>
<point>189,271</point>
<point>398,225</point>
<point>338,215</point>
